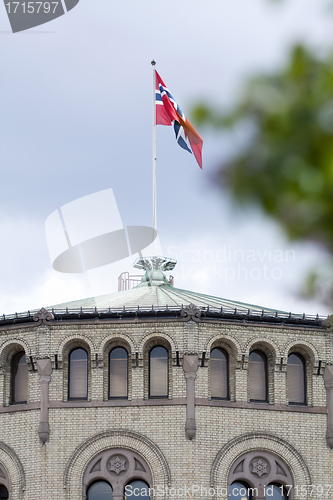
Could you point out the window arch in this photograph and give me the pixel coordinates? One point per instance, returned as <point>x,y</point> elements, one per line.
<point>262,474</point>
<point>19,378</point>
<point>296,377</point>
<point>118,373</point>
<point>219,374</point>
<point>113,470</point>
<point>258,376</point>
<point>78,374</point>
<point>99,490</point>
<point>158,372</point>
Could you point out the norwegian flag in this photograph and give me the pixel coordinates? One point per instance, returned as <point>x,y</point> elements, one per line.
<point>169,113</point>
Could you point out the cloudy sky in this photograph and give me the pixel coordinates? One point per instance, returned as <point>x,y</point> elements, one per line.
<point>76,120</point>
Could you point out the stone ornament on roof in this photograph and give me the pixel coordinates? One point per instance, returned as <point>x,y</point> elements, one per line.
<point>190,312</point>
<point>43,316</point>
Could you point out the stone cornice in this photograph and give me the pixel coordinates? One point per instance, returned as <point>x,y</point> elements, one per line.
<point>167,402</point>
<point>166,316</point>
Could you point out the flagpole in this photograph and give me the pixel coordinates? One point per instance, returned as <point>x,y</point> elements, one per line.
<point>153,63</point>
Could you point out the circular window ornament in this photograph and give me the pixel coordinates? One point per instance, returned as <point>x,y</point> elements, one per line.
<point>259,466</point>
<point>117,464</point>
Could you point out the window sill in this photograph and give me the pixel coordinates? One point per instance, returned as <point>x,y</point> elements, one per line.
<point>297,404</point>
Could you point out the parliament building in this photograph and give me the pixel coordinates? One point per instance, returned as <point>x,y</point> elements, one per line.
<point>157,392</point>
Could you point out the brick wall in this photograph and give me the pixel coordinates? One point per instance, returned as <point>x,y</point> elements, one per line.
<point>225,430</point>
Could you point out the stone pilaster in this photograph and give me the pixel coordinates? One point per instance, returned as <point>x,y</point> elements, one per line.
<point>44,369</point>
<point>190,367</point>
<point>328,379</point>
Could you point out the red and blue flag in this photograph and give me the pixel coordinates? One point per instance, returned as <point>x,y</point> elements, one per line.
<point>169,113</point>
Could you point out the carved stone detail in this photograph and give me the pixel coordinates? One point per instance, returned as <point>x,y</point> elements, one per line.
<point>44,367</point>
<point>190,428</point>
<point>259,467</point>
<point>117,465</point>
<point>43,316</point>
<point>328,322</point>
<point>190,312</point>
<point>44,431</point>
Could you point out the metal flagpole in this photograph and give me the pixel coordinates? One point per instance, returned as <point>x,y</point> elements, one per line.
<point>153,63</point>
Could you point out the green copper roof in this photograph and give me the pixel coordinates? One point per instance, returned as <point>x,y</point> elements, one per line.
<point>156,296</point>
<point>155,292</point>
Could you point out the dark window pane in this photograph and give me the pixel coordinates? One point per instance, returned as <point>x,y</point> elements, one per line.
<point>158,372</point>
<point>257,376</point>
<point>296,379</point>
<point>3,493</point>
<point>239,491</point>
<point>275,492</point>
<point>218,374</point>
<point>78,374</point>
<point>19,379</point>
<point>118,373</point>
<point>137,490</point>
<point>101,490</point>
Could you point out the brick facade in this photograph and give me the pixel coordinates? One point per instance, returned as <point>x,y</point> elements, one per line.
<point>154,429</point>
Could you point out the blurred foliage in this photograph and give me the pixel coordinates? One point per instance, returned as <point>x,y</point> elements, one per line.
<point>286,164</point>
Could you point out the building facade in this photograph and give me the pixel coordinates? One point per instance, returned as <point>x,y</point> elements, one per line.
<point>155,387</point>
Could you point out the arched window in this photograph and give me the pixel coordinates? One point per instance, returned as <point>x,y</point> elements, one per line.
<point>3,493</point>
<point>258,376</point>
<point>275,492</point>
<point>78,374</point>
<point>219,386</point>
<point>239,491</point>
<point>118,373</point>
<point>264,472</point>
<point>296,379</point>
<point>119,470</point>
<point>158,372</point>
<point>137,490</point>
<point>100,490</point>
<point>19,379</point>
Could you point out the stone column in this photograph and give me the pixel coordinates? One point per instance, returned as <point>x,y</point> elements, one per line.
<point>117,493</point>
<point>328,379</point>
<point>44,369</point>
<point>261,492</point>
<point>190,366</point>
